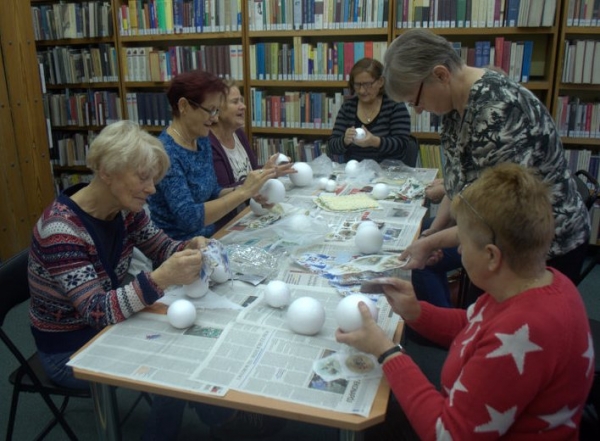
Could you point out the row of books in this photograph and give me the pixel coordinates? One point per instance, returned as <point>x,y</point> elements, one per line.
<point>317,14</point>
<point>424,122</point>
<point>310,61</point>
<point>150,17</point>
<point>149,108</point>
<point>474,13</point>
<point>581,56</point>
<point>595,217</point>
<point>66,180</point>
<point>583,13</point>
<point>583,160</point>
<point>431,156</point>
<point>82,109</point>
<point>157,64</point>
<point>306,110</point>
<point>576,118</point>
<point>69,65</point>
<point>88,19</point>
<point>300,150</point>
<point>515,58</point>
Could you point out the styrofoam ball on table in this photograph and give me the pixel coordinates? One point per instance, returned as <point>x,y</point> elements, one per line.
<point>303,175</point>
<point>277,294</point>
<point>306,316</point>
<point>299,222</point>
<point>282,159</point>
<point>196,289</point>
<point>360,133</point>
<point>181,314</point>
<point>219,274</point>
<point>351,167</point>
<point>256,208</point>
<point>348,315</point>
<point>365,224</point>
<point>380,191</point>
<point>369,240</point>
<point>273,190</point>
<point>323,182</point>
<point>331,185</point>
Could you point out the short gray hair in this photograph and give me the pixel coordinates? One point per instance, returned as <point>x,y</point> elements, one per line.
<point>410,59</point>
<point>123,145</point>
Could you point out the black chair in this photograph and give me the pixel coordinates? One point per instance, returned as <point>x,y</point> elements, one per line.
<point>29,376</point>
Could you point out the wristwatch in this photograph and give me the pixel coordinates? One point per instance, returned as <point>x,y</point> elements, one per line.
<point>386,354</point>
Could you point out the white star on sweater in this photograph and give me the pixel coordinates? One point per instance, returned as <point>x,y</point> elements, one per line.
<point>466,341</point>
<point>563,416</point>
<point>457,386</point>
<point>499,422</point>
<point>441,434</point>
<point>589,354</point>
<point>475,319</point>
<point>516,345</point>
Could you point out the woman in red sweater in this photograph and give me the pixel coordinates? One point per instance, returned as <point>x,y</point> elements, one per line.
<point>520,360</point>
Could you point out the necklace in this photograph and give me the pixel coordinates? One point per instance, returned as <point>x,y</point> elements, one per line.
<point>370,116</point>
<point>190,143</point>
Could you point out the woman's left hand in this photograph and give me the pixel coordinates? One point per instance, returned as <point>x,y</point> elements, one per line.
<point>282,169</point>
<point>368,141</point>
<point>370,338</point>
<point>197,243</point>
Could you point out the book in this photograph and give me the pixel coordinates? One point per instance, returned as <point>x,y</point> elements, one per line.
<point>526,64</point>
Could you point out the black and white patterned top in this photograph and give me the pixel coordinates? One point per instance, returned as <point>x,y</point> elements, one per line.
<point>505,122</point>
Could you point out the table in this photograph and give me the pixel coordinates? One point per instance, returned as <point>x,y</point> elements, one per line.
<point>103,390</point>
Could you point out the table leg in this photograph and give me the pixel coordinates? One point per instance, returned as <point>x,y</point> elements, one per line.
<point>106,411</point>
<point>351,435</point>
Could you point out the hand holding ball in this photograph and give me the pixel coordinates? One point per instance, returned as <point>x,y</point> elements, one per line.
<point>360,134</point>
<point>348,315</point>
<point>181,314</point>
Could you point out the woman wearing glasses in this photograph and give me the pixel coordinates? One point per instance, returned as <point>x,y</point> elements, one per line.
<point>488,119</point>
<point>233,158</point>
<point>189,200</point>
<point>386,123</point>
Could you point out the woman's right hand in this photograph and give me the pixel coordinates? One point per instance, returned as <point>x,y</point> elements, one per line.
<point>401,296</point>
<point>182,268</point>
<point>349,135</point>
<point>256,179</point>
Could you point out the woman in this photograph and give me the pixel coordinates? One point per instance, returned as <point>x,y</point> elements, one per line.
<point>487,119</point>
<point>81,251</point>
<point>386,123</point>
<point>520,360</point>
<point>232,155</point>
<point>189,200</point>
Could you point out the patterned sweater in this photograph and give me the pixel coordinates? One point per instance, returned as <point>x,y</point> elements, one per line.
<point>178,204</point>
<point>392,125</point>
<point>520,369</point>
<point>75,291</point>
<point>505,122</point>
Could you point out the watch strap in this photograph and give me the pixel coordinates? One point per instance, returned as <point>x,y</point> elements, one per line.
<point>393,350</point>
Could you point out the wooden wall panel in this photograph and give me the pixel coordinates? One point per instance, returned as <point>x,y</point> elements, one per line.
<point>26,177</point>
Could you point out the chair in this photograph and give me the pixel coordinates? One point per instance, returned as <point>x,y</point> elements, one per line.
<point>30,376</point>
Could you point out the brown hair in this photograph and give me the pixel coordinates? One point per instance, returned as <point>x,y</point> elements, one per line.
<point>369,65</point>
<point>194,85</point>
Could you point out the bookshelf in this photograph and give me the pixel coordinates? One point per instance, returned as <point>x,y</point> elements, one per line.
<point>577,85</point>
<point>291,58</point>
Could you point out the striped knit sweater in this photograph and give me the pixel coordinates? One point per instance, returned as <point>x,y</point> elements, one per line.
<point>74,291</point>
<point>392,125</point>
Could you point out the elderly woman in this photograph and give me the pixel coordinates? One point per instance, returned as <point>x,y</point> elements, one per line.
<point>520,360</point>
<point>189,200</point>
<point>487,119</point>
<point>386,123</point>
<point>233,158</point>
<point>82,247</point>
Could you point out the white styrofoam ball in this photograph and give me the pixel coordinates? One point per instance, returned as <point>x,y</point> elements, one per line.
<point>323,183</point>
<point>274,191</point>
<point>366,224</point>
<point>256,208</point>
<point>380,191</point>
<point>281,159</point>
<point>298,222</point>
<point>219,274</point>
<point>196,289</point>
<point>331,185</point>
<point>306,316</point>
<point>348,315</point>
<point>303,175</point>
<point>351,167</point>
<point>360,133</point>
<point>181,314</point>
<point>369,240</point>
<point>277,294</point>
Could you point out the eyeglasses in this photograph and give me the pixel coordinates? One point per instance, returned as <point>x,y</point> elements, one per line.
<point>480,217</point>
<point>418,98</point>
<point>211,112</point>
<point>366,85</point>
